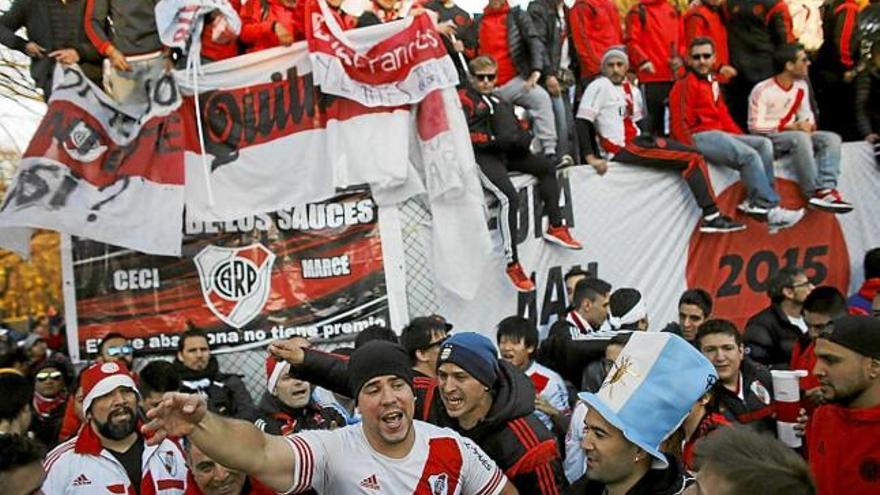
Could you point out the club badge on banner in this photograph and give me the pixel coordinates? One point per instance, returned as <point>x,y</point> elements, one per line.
<point>315,271</point>
<point>639,229</point>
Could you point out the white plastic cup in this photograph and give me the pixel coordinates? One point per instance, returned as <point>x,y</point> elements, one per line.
<point>787,395</point>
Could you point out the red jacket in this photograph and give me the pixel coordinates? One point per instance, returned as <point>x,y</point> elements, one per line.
<point>844,450</point>
<point>654,34</point>
<point>218,51</point>
<point>704,21</point>
<point>696,105</point>
<point>258,27</point>
<point>595,26</point>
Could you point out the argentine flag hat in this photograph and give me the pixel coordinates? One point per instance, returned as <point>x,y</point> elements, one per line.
<point>651,388</point>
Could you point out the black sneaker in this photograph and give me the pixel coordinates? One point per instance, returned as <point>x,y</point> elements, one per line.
<point>718,224</point>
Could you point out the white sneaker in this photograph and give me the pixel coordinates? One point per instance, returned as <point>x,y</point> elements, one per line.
<point>750,208</point>
<point>779,218</point>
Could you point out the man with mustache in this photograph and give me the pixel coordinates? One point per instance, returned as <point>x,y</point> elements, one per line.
<point>388,452</point>
<point>109,455</point>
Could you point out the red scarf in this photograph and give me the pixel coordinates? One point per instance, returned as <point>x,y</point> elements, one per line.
<point>45,406</point>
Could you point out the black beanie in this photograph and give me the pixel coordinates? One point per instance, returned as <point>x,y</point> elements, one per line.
<point>377,358</point>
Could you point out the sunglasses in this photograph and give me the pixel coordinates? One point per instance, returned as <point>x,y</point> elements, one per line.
<point>485,77</point>
<point>120,350</point>
<point>46,375</point>
<point>702,56</point>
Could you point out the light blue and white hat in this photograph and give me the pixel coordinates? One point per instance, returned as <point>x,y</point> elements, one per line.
<point>651,388</point>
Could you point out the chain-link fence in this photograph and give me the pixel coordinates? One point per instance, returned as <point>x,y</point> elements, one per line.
<point>421,299</point>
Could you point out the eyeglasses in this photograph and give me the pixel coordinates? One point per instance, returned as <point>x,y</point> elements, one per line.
<point>436,343</point>
<point>46,375</point>
<point>120,350</point>
<point>802,284</point>
<point>702,56</point>
<point>485,77</point>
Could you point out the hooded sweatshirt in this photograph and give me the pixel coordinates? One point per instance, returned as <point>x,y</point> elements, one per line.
<point>514,437</point>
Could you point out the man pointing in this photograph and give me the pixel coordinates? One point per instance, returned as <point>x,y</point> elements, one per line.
<point>395,453</point>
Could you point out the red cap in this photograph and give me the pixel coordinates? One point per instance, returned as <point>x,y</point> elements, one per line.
<point>274,371</point>
<point>100,379</point>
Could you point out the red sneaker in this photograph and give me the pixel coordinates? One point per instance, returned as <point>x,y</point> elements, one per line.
<point>516,275</point>
<point>561,235</point>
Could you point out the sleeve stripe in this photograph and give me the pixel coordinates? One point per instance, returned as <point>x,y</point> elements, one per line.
<point>302,475</point>
<point>493,483</point>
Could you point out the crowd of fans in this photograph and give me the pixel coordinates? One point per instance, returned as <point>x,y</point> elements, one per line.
<point>540,416</point>
<point>433,411</point>
<point>654,84</point>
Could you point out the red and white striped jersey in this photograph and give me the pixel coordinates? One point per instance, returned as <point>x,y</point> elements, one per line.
<point>83,466</point>
<point>441,462</point>
<point>614,110</point>
<point>772,107</point>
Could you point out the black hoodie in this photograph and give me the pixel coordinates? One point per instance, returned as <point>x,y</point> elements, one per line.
<point>225,392</point>
<point>669,481</point>
<point>513,436</point>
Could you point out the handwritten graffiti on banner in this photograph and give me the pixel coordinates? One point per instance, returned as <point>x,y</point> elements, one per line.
<point>314,271</point>
<point>90,163</point>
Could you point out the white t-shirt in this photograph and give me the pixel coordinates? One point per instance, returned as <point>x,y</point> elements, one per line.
<point>441,462</point>
<point>614,110</point>
<point>575,464</point>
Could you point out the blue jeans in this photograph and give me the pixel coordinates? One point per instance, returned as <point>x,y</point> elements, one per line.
<point>564,126</point>
<point>752,156</point>
<point>816,157</point>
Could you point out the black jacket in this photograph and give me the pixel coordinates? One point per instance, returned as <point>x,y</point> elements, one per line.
<point>276,418</point>
<point>545,18</point>
<point>492,122</point>
<point>867,88</point>
<point>509,434</point>
<point>669,481</point>
<point>770,337</point>
<point>755,30</point>
<point>526,49</point>
<point>226,393</point>
<point>33,15</point>
<point>756,407</point>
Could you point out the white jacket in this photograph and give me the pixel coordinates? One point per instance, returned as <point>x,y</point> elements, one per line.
<point>81,466</point>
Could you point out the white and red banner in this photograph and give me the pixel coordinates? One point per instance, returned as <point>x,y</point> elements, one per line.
<point>397,70</point>
<point>94,170</point>
<point>260,136</point>
<point>639,229</point>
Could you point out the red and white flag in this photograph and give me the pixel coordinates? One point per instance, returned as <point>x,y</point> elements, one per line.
<point>92,170</point>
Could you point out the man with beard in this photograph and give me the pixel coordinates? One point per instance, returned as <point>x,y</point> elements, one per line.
<point>200,374</point>
<point>109,454</point>
<point>116,348</point>
<point>842,435</point>
<point>47,406</point>
<point>388,452</point>
<point>287,407</point>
